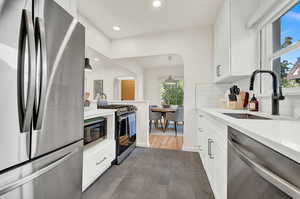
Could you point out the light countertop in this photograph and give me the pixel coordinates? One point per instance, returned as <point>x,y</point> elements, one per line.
<point>281,134</point>
<point>128,101</point>
<point>91,113</point>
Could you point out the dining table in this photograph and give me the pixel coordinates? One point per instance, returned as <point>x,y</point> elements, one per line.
<point>163,112</point>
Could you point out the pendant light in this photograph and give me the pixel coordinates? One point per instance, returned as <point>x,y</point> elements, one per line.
<point>170,81</point>
<point>87,66</point>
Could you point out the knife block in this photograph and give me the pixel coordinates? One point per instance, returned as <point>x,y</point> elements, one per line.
<point>239,104</point>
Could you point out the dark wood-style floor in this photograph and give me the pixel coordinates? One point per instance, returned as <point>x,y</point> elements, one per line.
<point>154,174</point>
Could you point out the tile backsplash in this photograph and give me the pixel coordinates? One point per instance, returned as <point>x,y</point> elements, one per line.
<point>288,107</point>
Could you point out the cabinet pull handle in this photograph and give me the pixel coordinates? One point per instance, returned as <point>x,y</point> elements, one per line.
<point>100,162</point>
<point>210,142</point>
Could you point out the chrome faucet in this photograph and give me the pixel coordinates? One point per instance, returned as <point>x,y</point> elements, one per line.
<point>275,97</point>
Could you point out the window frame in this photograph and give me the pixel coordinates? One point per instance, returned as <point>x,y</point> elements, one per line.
<point>267,55</point>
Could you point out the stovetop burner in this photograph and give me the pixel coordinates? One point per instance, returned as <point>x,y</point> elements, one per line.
<point>121,108</point>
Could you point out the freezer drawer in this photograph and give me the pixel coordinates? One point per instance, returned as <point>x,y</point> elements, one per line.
<point>55,176</point>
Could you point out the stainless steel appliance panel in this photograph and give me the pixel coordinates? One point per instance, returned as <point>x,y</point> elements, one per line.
<point>95,129</point>
<point>55,176</point>
<point>16,80</point>
<point>258,172</point>
<point>59,116</point>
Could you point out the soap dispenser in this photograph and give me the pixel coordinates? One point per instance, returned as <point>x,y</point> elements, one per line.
<point>253,104</point>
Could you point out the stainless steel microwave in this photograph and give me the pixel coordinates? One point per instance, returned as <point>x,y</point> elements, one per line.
<point>95,129</point>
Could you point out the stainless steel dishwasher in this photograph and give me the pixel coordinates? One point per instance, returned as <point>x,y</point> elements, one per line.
<point>258,172</point>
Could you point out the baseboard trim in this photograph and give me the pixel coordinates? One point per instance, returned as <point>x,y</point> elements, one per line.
<point>143,145</point>
<point>190,148</point>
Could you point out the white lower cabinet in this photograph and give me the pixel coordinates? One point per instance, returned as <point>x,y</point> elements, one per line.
<point>212,141</point>
<point>96,160</point>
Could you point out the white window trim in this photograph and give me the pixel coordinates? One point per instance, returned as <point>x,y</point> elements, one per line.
<point>267,54</point>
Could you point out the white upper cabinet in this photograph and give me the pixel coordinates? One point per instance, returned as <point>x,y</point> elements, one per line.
<point>235,46</point>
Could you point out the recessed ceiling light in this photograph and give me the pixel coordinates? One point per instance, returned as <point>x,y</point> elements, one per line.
<point>156,3</point>
<point>116,28</point>
<point>96,59</point>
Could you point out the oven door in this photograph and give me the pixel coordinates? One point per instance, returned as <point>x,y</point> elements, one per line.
<point>95,129</point>
<point>126,132</point>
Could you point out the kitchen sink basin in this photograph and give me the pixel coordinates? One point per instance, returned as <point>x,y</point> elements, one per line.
<point>246,116</point>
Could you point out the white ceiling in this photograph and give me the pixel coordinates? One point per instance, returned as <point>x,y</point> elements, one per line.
<point>138,17</point>
<point>155,61</point>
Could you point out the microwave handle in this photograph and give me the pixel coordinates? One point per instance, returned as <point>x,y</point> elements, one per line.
<point>268,175</point>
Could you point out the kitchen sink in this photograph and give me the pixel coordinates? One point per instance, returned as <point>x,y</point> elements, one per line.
<point>246,116</point>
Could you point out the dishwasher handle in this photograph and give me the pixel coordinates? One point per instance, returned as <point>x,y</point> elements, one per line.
<point>288,188</point>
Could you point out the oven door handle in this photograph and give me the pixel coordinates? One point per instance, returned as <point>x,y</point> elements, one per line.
<point>120,118</point>
<point>285,186</point>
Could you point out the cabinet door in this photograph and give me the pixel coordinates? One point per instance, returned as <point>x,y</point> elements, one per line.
<point>220,171</point>
<point>202,139</point>
<point>204,147</point>
<point>244,42</point>
<point>210,161</point>
<point>222,42</point>
<point>217,161</point>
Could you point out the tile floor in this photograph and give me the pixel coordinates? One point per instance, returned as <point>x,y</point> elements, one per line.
<point>154,174</point>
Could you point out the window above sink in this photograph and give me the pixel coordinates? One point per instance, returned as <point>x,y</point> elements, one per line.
<point>280,48</point>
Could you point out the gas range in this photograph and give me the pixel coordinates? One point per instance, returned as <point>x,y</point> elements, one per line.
<point>125,127</point>
<point>121,108</point>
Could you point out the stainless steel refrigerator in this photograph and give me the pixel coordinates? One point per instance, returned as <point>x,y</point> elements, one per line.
<point>42,50</point>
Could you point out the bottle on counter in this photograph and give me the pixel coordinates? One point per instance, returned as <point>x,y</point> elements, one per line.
<point>253,104</point>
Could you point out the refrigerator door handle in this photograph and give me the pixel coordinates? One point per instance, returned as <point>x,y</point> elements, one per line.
<point>26,106</point>
<point>41,82</point>
<point>11,186</point>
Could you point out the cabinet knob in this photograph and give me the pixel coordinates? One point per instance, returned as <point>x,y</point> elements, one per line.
<point>218,70</point>
<point>209,151</point>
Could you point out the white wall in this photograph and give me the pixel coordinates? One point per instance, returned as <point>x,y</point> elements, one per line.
<point>69,5</point>
<point>153,77</point>
<point>134,67</point>
<point>195,47</point>
<point>94,38</point>
<point>106,70</point>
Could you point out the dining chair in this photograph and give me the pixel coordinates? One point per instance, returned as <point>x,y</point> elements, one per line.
<point>176,117</point>
<point>154,117</point>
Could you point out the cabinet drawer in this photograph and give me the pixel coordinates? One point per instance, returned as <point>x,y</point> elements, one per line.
<point>97,162</point>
